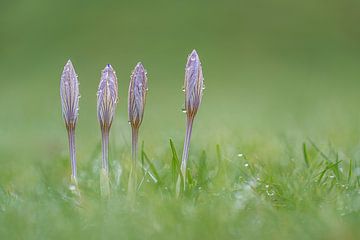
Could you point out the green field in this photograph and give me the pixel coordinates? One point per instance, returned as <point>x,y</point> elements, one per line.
<point>275,151</point>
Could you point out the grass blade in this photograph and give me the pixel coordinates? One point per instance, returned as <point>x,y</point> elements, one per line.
<point>350,172</point>
<point>202,170</point>
<point>306,156</point>
<point>142,157</point>
<point>151,166</point>
<point>175,164</point>
<point>319,151</point>
<point>218,153</point>
<point>328,167</point>
<point>176,171</point>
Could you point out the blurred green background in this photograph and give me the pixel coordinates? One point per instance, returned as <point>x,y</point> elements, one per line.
<point>288,69</point>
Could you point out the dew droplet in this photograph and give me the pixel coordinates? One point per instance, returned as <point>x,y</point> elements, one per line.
<point>246,165</point>
<point>270,193</point>
<point>240,155</point>
<point>72,187</point>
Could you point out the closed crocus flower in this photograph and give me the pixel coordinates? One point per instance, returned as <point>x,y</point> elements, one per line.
<point>137,95</point>
<point>136,104</point>
<point>193,88</point>
<point>193,84</point>
<point>69,93</point>
<point>107,98</point>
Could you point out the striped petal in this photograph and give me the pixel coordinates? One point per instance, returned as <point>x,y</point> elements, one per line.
<point>69,93</point>
<point>107,96</point>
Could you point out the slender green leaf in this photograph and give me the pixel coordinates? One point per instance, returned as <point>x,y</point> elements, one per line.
<point>176,168</point>
<point>319,151</point>
<point>152,167</point>
<point>350,172</point>
<point>328,167</point>
<point>202,170</point>
<point>306,156</point>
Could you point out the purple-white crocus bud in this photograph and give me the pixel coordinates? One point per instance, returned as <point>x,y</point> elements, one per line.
<point>193,88</point>
<point>136,102</point>
<point>193,84</point>
<point>69,93</point>
<point>136,105</point>
<point>107,98</point>
<point>137,95</point>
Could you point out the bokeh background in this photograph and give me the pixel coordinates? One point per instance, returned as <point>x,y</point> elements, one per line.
<point>273,70</point>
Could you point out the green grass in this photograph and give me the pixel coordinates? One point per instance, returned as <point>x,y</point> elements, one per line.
<point>313,194</point>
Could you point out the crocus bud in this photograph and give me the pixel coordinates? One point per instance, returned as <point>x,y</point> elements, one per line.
<point>136,105</point>
<point>69,92</point>
<point>193,84</point>
<point>137,95</point>
<point>193,87</point>
<point>107,97</point>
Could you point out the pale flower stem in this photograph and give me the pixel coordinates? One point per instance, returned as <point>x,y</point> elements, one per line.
<point>132,184</point>
<point>185,154</point>
<point>105,150</point>
<point>134,140</point>
<point>71,136</point>
<point>104,172</point>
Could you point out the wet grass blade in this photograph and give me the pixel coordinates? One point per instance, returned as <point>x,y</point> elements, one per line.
<point>336,168</point>
<point>142,157</point>
<point>190,179</point>
<point>202,170</point>
<point>350,172</point>
<point>151,166</point>
<point>175,164</point>
<point>218,153</point>
<point>319,151</point>
<point>328,167</point>
<point>176,169</point>
<point>306,156</point>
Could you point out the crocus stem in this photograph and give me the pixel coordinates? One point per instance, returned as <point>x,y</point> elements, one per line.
<point>134,140</point>
<point>189,124</point>
<point>133,178</point>
<point>104,172</point>
<point>105,150</point>
<point>71,136</point>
